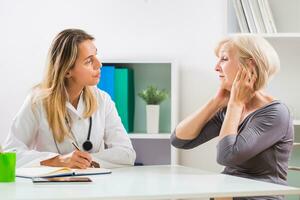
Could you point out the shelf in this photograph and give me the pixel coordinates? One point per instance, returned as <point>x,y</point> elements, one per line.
<point>122,61</point>
<point>149,136</point>
<point>281,35</point>
<point>285,19</point>
<point>161,74</point>
<point>296,144</point>
<point>294,168</point>
<point>296,122</point>
<point>271,35</point>
<point>152,149</point>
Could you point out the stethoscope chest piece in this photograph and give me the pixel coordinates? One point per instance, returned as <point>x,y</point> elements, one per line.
<point>87,145</point>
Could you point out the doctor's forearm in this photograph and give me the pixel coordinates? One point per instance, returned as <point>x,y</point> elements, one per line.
<point>117,155</point>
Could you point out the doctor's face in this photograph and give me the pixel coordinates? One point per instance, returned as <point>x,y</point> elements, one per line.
<point>86,71</point>
<point>227,66</point>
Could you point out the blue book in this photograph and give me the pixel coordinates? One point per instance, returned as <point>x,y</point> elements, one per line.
<point>107,80</point>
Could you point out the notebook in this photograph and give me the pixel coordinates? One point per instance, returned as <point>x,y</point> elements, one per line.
<point>47,172</point>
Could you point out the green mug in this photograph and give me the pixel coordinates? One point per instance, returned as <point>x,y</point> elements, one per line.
<point>7,166</point>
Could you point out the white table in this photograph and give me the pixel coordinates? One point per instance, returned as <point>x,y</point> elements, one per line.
<point>145,182</point>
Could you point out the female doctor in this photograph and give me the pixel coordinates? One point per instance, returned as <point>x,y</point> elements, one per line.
<point>66,111</point>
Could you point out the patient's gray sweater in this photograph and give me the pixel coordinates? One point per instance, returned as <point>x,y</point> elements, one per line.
<point>259,151</point>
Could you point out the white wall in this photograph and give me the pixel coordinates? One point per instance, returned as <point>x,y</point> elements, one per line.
<point>181,30</point>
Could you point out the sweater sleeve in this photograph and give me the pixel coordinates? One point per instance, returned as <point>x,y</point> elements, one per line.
<point>261,132</point>
<point>209,131</point>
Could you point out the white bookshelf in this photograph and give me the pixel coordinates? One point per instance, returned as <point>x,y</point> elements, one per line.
<point>285,13</point>
<point>153,148</point>
<point>286,84</point>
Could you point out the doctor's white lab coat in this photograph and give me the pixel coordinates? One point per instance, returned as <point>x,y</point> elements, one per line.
<point>33,141</point>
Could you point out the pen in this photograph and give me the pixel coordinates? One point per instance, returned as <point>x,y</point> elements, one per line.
<point>93,163</point>
<point>75,145</point>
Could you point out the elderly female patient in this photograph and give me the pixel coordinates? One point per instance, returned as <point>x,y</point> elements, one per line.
<point>255,129</point>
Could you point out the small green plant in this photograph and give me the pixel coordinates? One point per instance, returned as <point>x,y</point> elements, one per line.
<point>152,95</point>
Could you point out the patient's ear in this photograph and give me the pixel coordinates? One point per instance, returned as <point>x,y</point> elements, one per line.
<point>250,62</point>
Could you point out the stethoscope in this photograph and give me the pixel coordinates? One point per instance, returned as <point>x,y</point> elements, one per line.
<point>87,145</point>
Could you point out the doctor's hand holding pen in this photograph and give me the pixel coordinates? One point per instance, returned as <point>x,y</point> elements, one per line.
<point>75,159</point>
<point>92,163</point>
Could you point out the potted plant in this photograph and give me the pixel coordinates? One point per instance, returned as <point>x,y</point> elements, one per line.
<point>153,97</point>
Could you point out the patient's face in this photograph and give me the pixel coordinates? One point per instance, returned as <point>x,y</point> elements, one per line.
<point>227,65</point>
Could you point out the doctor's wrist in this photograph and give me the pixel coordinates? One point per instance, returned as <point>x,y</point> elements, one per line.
<point>53,162</point>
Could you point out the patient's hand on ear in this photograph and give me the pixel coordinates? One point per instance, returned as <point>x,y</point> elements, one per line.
<point>242,90</point>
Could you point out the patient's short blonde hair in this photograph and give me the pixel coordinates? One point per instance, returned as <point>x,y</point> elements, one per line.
<point>257,49</point>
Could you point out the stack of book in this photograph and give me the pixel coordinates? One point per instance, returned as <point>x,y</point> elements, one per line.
<point>118,83</point>
<point>254,16</point>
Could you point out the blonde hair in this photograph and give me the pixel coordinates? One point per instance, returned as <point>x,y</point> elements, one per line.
<point>259,50</point>
<point>52,91</point>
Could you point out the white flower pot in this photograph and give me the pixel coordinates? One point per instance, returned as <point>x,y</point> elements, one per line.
<point>152,118</point>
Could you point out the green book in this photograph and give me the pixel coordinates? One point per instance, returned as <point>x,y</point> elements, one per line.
<point>124,96</point>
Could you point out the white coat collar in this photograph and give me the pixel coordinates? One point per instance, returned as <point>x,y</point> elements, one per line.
<point>80,107</point>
